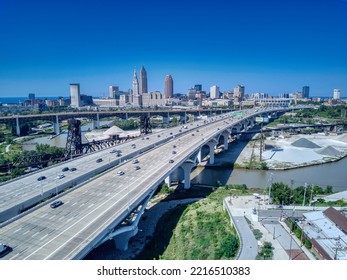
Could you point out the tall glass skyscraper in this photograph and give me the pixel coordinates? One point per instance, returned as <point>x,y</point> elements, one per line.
<point>305,92</point>
<point>143,81</point>
<point>168,87</point>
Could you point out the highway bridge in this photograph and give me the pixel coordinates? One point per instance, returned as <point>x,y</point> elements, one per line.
<point>95,116</point>
<point>110,204</point>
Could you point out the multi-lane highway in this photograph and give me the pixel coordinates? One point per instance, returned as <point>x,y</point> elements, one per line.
<point>26,191</point>
<point>90,212</point>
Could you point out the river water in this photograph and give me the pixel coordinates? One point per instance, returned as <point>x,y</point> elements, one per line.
<point>329,174</point>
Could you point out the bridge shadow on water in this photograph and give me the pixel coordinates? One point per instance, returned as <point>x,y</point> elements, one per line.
<point>219,173</point>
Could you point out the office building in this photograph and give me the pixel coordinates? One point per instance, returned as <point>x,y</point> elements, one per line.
<point>214,92</point>
<point>143,81</point>
<point>136,98</point>
<point>191,93</point>
<point>306,92</point>
<point>337,94</point>
<point>75,95</point>
<point>112,91</point>
<point>198,87</point>
<point>239,93</point>
<point>168,92</point>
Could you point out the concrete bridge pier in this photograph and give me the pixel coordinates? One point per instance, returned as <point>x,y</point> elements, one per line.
<point>17,127</point>
<point>56,125</point>
<point>122,240</point>
<point>168,181</point>
<point>212,144</point>
<point>187,167</point>
<point>226,139</point>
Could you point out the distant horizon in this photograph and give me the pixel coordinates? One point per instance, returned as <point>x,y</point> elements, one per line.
<point>273,47</point>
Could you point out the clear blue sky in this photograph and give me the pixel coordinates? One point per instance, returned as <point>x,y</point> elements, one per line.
<point>268,46</point>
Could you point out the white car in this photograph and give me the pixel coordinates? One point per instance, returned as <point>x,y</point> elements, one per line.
<point>120,173</point>
<point>60,176</point>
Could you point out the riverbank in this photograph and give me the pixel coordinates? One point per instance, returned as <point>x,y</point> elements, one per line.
<point>282,153</point>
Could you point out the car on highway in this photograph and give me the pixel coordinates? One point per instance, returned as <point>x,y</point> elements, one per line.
<point>99,160</point>
<point>65,169</point>
<point>73,169</point>
<point>41,178</point>
<point>174,146</point>
<point>137,167</point>
<point>173,152</point>
<point>120,173</point>
<point>135,161</point>
<point>133,146</point>
<point>171,161</point>
<point>60,176</point>
<point>56,204</point>
<point>113,151</point>
<point>4,248</point>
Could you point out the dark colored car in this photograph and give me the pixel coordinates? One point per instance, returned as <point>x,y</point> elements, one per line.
<point>171,161</point>
<point>56,204</point>
<point>65,169</point>
<point>99,160</point>
<point>73,169</point>
<point>41,178</point>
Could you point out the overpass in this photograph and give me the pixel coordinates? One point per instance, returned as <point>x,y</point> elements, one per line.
<point>95,116</point>
<point>109,206</point>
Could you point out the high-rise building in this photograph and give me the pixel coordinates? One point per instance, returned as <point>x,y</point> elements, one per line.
<point>191,93</point>
<point>198,87</point>
<point>305,92</point>
<point>337,94</point>
<point>214,92</point>
<point>239,93</point>
<point>75,95</point>
<point>135,84</point>
<point>168,87</point>
<point>136,94</point>
<point>112,91</point>
<point>143,81</point>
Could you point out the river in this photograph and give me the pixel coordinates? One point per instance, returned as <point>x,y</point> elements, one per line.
<point>329,174</point>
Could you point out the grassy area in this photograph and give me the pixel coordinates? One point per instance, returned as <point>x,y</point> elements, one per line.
<point>200,230</point>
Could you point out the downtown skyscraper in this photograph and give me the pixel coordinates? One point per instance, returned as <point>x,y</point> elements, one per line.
<point>168,91</point>
<point>143,81</point>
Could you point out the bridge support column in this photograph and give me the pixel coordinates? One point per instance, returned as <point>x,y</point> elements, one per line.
<point>226,140</point>
<point>168,181</point>
<point>96,123</point>
<point>187,168</point>
<point>166,120</point>
<point>199,156</point>
<point>122,240</point>
<point>17,127</point>
<point>212,144</point>
<point>56,125</point>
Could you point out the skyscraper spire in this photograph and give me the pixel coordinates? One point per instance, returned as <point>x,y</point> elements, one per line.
<point>135,84</point>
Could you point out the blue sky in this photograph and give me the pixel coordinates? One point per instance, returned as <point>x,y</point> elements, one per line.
<point>268,46</point>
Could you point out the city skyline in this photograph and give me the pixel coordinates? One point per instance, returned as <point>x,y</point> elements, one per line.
<point>267,47</point>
